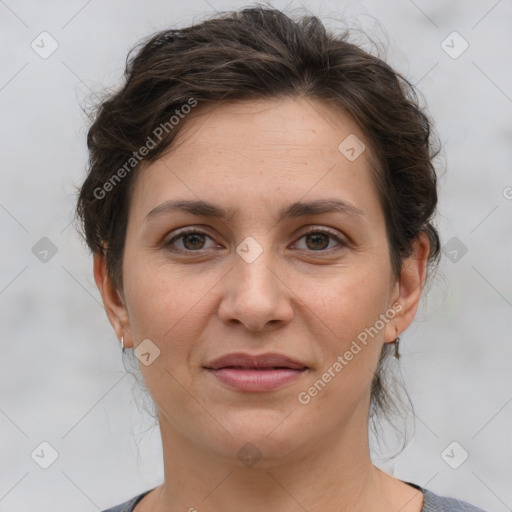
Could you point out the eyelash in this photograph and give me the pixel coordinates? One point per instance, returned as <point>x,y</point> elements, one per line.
<point>193,231</point>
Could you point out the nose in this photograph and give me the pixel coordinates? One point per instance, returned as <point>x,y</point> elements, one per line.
<point>256,295</point>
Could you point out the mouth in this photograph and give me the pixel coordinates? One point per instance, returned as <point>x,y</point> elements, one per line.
<point>268,361</point>
<point>265,372</point>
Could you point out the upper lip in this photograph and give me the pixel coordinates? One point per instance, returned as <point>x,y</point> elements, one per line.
<point>242,360</point>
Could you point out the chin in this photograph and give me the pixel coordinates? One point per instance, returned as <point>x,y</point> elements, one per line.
<point>262,436</point>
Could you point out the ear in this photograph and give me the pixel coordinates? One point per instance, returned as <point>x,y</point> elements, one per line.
<point>112,300</point>
<point>407,293</point>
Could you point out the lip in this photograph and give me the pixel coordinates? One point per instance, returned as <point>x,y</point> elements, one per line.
<point>256,373</point>
<point>255,361</point>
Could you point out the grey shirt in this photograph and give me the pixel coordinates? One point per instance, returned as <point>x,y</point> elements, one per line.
<point>431,503</point>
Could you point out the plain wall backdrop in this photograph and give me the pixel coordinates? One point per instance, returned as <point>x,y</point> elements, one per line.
<point>62,377</point>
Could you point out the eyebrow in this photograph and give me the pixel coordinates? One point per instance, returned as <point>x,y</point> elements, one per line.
<point>297,209</point>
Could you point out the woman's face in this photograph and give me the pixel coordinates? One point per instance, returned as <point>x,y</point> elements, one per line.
<point>254,281</point>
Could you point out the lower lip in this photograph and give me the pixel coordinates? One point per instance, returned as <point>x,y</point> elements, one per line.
<point>256,380</point>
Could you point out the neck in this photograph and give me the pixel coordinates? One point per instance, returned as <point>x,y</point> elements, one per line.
<point>333,474</point>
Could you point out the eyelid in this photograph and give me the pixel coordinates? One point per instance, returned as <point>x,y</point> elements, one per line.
<point>328,231</point>
<point>187,231</point>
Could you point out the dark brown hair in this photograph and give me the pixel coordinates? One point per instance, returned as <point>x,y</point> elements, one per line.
<point>260,53</point>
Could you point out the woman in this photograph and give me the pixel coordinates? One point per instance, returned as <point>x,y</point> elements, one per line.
<point>259,204</point>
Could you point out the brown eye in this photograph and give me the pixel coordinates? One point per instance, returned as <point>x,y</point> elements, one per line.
<point>192,240</point>
<point>318,240</point>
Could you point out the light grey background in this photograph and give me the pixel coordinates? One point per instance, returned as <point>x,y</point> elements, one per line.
<point>62,379</point>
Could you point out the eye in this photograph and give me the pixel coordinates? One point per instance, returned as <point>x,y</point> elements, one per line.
<point>192,240</point>
<point>318,239</point>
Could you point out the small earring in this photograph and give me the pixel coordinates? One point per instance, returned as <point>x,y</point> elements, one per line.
<point>397,342</point>
<point>122,344</point>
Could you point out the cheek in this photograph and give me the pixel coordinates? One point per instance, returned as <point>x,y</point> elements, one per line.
<point>167,304</point>
<point>349,351</point>
<point>353,300</point>
<point>167,311</point>
<point>350,328</point>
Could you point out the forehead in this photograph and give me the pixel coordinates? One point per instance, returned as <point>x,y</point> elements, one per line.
<point>259,150</point>
<point>277,125</point>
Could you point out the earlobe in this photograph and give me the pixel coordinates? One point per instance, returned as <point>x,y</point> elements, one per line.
<point>410,286</point>
<point>115,309</point>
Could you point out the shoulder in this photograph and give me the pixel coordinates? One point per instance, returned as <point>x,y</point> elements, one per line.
<point>435,503</point>
<point>129,505</point>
